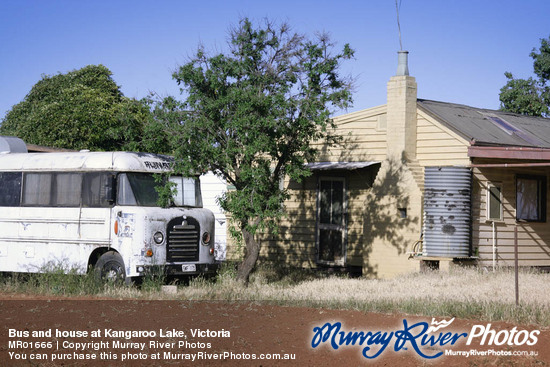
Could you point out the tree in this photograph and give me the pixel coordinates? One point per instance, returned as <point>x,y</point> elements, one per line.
<point>253,116</point>
<point>83,109</point>
<point>165,114</point>
<point>530,96</point>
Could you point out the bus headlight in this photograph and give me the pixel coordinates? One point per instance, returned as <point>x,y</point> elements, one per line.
<point>158,237</point>
<point>205,238</point>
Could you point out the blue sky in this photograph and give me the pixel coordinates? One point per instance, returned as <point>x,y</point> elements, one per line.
<point>459,50</point>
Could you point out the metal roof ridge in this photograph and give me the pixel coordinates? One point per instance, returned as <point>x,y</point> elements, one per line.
<point>477,109</point>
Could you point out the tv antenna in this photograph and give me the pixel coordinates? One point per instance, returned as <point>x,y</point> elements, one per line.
<point>397,7</point>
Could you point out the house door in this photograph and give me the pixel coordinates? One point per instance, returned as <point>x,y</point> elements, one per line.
<point>331,221</point>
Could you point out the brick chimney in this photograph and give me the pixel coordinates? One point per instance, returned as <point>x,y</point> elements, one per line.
<point>401,111</point>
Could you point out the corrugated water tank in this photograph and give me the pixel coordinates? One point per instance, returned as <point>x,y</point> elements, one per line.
<point>447,211</point>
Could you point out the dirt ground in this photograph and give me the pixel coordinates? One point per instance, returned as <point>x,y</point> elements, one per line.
<point>254,330</point>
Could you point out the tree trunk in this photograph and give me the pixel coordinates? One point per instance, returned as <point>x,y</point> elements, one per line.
<point>250,257</point>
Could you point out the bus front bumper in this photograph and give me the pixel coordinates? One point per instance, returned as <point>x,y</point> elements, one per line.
<point>177,269</point>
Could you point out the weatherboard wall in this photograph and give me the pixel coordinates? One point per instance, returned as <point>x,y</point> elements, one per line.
<point>437,145</point>
<point>295,241</point>
<point>363,139</point>
<point>533,237</point>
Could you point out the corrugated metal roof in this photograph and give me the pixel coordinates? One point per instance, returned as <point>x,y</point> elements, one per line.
<point>325,166</point>
<point>490,127</point>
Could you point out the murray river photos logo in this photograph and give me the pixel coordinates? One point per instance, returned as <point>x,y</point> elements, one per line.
<point>420,337</point>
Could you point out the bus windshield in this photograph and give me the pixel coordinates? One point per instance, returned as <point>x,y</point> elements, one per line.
<point>141,189</point>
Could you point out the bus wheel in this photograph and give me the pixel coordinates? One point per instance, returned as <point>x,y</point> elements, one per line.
<point>110,268</point>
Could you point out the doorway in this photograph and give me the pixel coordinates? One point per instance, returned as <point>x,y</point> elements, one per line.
<point>331,221</point>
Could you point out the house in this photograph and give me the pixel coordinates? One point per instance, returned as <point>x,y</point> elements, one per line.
<point>212,187</point>
<point>420,182</point>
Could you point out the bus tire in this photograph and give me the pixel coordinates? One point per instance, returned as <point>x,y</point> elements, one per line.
<point>110,268</point>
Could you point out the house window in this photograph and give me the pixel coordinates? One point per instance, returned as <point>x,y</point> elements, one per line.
<point>531,198</point>
<point>494,202</point>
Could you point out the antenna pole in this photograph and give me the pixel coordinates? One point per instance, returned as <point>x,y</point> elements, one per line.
<point>398,26</point>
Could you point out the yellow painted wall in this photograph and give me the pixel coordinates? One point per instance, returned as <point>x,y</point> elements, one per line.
<point>389,234</point>
<point>295,242</point>
<point>363,137</point>
<point>436,145</point>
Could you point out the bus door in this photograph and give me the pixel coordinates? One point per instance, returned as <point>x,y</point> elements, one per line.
<point>95,213</point>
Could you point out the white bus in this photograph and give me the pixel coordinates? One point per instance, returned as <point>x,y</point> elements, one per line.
<point>98,210</point>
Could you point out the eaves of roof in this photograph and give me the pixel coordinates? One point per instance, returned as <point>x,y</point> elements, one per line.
<point>522,153</point>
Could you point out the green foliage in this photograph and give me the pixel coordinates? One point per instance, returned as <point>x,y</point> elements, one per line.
<point>83,109</point>
<point>165,114</point>
<point>255,113</point>
<point>165,189</point>
<point>252,116</point>
<point>154,279</point>
<point>541,64</point>
<point>227,269</point>
<point>530,96</point>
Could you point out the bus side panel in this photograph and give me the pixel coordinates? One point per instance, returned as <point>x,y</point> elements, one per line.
<point>49,239</point>
<point>96,226</point>
<point>10,255</point>
<point>129,241</point>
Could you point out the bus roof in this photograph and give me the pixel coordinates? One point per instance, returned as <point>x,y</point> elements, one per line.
<point>85,161</point>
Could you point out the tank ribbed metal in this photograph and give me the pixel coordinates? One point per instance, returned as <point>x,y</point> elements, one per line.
<point>447,211</point>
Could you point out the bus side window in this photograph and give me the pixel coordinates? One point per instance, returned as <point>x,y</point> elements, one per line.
<point>98,189</point>
<point>68,188</point>
<point>10,188</point>
<point>125,195</point>
<point>187,191</point>
<point>37,189</point>
<point>52,189</point>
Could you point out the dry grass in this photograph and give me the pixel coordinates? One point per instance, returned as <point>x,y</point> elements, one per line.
<point>470,293</point>
<point>466,293</point>
<point>460,285</point>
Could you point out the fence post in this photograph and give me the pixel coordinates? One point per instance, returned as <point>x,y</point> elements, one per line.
<point>516,263</point>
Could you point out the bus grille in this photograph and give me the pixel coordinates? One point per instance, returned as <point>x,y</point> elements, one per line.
<point>183,240</point>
